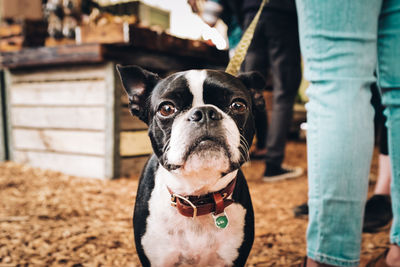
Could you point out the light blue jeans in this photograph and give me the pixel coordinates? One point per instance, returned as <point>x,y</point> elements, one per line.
<point>343,42</point>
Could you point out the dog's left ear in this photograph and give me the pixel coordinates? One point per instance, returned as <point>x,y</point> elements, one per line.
<point>138,84</point>
<point>255,82</point>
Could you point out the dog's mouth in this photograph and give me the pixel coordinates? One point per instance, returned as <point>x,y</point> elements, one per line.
<point>204,143</point>
<point>202,148</point>
<point>207,143</point>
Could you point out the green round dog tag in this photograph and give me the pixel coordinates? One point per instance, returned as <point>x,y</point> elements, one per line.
<point>221,221</point>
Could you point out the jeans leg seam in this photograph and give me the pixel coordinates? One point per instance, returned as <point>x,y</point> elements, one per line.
<point>323,258</point>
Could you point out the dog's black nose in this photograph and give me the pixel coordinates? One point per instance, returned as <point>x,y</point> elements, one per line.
<point>204,114</point>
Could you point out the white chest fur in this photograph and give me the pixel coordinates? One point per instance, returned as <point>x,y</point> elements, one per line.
<point>174,240</point>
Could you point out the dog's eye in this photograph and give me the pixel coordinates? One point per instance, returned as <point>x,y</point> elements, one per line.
<point>167,109</point>
<point>238,106</point>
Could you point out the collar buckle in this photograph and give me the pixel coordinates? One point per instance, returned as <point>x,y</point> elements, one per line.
<point>173,200</point>
<point>186,199</point>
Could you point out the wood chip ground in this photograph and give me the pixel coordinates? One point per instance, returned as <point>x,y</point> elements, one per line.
<point>51,219</point>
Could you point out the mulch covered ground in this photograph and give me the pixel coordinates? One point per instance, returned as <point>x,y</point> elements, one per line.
<point>51,219</point>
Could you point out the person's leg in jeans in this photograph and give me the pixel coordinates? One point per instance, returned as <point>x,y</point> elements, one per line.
<point>378,208</point>
<point>338,43</point>
<point>392,111</point>
<point>389,82</point>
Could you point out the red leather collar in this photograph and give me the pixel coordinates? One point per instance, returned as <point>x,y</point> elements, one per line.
<point>192,206</point>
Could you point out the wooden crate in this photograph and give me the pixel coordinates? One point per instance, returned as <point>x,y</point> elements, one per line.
<point>105,34</point>
<point>119,31</point>
<point>26,33</point>
<point>145,14</point>
<point>75,120</point>
<point>21,9</point>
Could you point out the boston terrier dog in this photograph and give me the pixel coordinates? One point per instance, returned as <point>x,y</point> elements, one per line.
<point>193,206</point>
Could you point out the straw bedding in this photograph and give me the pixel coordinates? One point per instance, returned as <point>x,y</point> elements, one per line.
<point>51,219</point>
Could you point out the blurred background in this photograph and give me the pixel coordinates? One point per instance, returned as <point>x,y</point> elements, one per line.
<point>62,104</point>
<point>66,132</point>
<point>61,99</point>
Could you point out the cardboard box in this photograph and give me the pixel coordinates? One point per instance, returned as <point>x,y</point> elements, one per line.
<point>21,9</point>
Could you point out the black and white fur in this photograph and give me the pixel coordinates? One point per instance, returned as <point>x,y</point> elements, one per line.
<point>200,126</point>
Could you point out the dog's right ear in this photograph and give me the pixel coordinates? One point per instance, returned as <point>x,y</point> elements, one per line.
<point>138,84</point>
<point>255,82</point>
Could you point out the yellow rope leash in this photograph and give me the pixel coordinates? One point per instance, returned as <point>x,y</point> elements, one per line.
<point>241,49</point>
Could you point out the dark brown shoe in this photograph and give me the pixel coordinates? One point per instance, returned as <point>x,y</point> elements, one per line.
<point>378,213</point>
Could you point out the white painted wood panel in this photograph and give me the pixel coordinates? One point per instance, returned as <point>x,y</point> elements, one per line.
<point>84,166</point>
<point>89,118</point>
<point>79,142</point>
<point>81,93</point>
<point>73,73</point>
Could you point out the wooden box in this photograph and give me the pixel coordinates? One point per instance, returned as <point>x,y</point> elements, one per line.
<point>27,33</point>
<point>146,15</point>
<point>111,33</point>
<point>21,9</point>
<point>75,120</point>
<point>123,32</point>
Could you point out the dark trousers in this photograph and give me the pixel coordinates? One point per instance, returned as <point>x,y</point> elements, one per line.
<point>379,121</point>
<point>277,52</point>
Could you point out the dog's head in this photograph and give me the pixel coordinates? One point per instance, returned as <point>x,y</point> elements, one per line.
<point>200,121</point>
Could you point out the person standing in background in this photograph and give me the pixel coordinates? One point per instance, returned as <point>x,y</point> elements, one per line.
<point>275,48</point>
<point>275,53</point>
